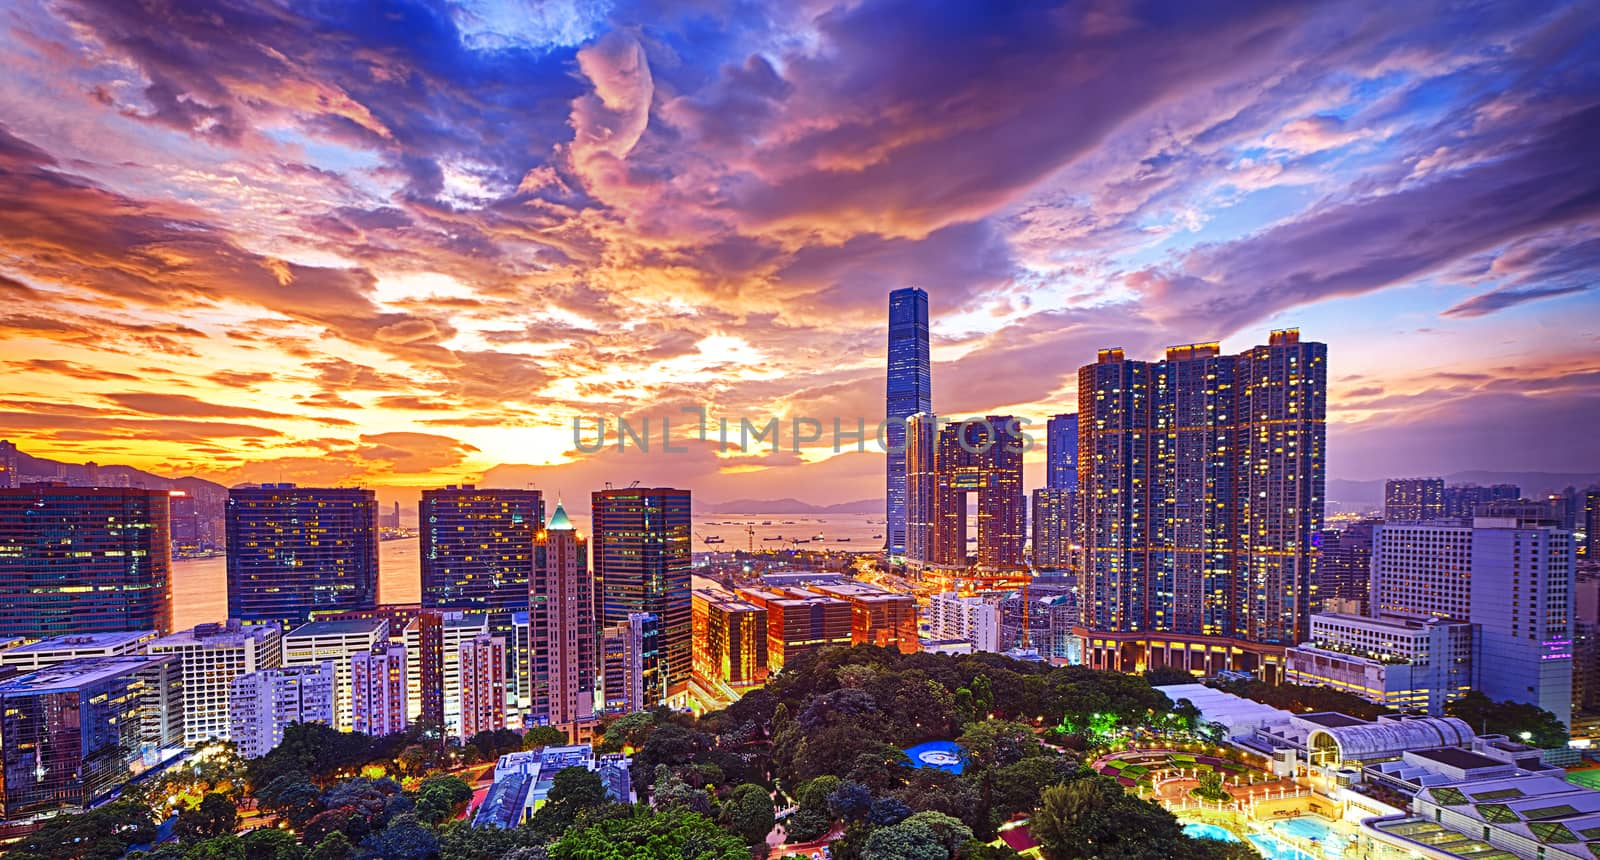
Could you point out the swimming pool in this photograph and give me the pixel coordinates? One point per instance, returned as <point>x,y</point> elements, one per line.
<point>1201,830</point>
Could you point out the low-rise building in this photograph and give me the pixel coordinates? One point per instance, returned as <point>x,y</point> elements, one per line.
<point>730,642</point>
<point>262,704</point>
<point>800,624</point>
<point>976,620</point>
<point>522,781</point>
<point>877,616</point>
<point>336,642</point>
<point>1401,663</point>
<point>75,646</point>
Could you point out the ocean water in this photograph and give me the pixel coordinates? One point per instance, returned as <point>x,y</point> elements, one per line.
<point>200,586</point>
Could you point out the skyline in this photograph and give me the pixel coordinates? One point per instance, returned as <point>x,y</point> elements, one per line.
<point>408,253</point>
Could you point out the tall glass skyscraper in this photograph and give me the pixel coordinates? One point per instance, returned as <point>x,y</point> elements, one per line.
<point>83,560</point>
<point>1203,481</point>
<point>562,637</point>
<point>910,391</point>
<point>297,550</point>
<point>1061,452</point>
<point>477,547</point>
<point>641,554</point>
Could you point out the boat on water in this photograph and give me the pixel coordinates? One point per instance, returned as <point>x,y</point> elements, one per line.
<point>844,540</point>
<point>877,537</point>
<point>819,538</point>
<point>715,539</point>
<point>766,522</point>
<point>779,537</point>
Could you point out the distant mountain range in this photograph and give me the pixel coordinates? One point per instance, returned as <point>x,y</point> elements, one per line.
<point>30,467</point>
<point>791,506</point>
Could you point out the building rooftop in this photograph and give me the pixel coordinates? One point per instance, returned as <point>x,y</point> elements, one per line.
<point>343,627</point>
<point>82,640</point>
<point>231,633</point>
<point>1331,720</point>
<point>75,674</point>
<point>1459,758</point>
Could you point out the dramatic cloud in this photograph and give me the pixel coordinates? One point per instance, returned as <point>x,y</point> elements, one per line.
<point>305,242</point>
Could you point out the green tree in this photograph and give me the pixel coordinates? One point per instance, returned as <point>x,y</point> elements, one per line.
<point>404,839</point>
<point>924,836</point>
<point>334,846</point>
<point>1526,723</point>
<point>440,798</point>
<point>544,736</point>
<point>672,792</point>
<point>573,792</point>
<point>1167,676</point>
<point>270,843</point>
<point>748,812</point>
<point>651,835</point>
<point>215,816</point>
<point>105,833</point>
<point>223,847</point>
<point>1093,817</point>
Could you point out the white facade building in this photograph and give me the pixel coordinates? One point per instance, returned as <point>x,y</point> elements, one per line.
<point>261,704</point>
<point>378,690</point>
<point>337,642</point>
<point>1403,663</point>
<point>483,685</point>
<point>1512,580</point>
<point>458,627</point>
<point>969,619</point>
<point>213,656</point>
<point>75,646</point>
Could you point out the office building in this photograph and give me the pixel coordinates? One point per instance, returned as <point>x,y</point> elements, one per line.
<point>798,623</point>
<point>641,553</point>
<point>263,703</point>
<point>976,620</point>
<point>730,642</point>
<point>522,782</point>
<point>1345,569</point>
<point>1054,523</point>
<point>983,457</point>
<point>878,616</point>
<point>630,651</point>
<point>74,734</point>
<point>563,638</point>
<point>294,550</point>
<point>84,560</point>
<point>1061,452</point>
<point>378,702</point>
<point>338,643</point>
<point>212,655</point>
<point>433,679</point>
<point>33,656</point>
<point>909,392</point>
<point>1404,664</point>
<point>1461,501</point>
<point>1512,580</point>
<point>477,547</point>
<point>1586,642</point>
<point>1413,500</point>
<point>1202,481</point>
<point>483,685</point>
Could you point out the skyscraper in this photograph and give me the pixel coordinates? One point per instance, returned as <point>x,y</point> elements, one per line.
<point>483,685</point>
<point>1462,500</point>
<point>10,475</point>
<point>1345,569</point>
<point>477,547</point>
<point>378,690</point>
<point>1202,487</point>
<point>1591,524</point>
<point>1054,522</point>
<point>1061,452</point>
<point>1413,500</point>
<point>295,550</point>
<point>981,456</point>
<point>562,636</point>
<point>73,734</point>
<point>84,560</point>
<point>641,557</point>
<point>910,391</point>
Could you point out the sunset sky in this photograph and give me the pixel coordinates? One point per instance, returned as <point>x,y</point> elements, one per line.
<point>404,244</point>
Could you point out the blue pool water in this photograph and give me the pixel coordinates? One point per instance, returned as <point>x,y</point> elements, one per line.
<point>1200,830</point>
<point>1304,828</point>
